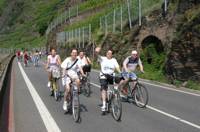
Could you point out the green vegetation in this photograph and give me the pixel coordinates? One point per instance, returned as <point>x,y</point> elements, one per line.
<point>153,63</point>
<point>2,5</point>
<point>28,23</point>
<point>193,85</point>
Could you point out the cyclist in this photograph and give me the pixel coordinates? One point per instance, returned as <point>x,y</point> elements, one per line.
<point>129,65</point>
<point>53,61</point>
<point>70,67</point>
<point>36,58</point>
<point>108,66</point>
<point>25,57</point>
<point>18,55</point>
<point>84,61</point>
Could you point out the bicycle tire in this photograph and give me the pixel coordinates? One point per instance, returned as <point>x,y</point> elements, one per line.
<point>140,95</point>
<point>76,106</point>
<point>87,89</point>
<point>116,106</point>
<point>55,89</point>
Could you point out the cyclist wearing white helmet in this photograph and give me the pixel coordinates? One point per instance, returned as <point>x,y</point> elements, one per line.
<point>129,65</point>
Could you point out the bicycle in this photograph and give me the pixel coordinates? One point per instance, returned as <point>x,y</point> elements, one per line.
<point>113,99</point>
<point>74,103</point>
<point>86,87</point>
<point>54,83</point>
<point>139,93</point>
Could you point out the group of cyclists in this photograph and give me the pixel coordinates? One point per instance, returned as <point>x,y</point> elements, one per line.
<point>26,57</point>
<point>75,66</point>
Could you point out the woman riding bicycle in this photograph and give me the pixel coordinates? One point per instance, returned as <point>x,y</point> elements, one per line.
<point>53,62</point>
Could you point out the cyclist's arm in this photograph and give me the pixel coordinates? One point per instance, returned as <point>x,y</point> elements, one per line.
<point>48,61</point>
<point>81,70</point>
<point>58,60</point>
<point>88,60</point>
<point>125,64</point>
<point>117,67</point>
<point>64,66</point>
<point>141,66</point>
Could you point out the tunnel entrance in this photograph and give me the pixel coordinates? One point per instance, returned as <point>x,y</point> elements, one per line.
<point>153,50</point>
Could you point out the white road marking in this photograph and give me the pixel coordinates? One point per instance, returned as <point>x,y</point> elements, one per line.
<point>166,114</point>
<point>168,88</point>
<point>48,120</point>
<point>164,87</point>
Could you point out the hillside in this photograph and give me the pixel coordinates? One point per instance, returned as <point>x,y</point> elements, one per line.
<point>169,46</point>
<point>24,22</point>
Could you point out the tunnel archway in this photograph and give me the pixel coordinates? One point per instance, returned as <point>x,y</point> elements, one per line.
<point>152,48</point>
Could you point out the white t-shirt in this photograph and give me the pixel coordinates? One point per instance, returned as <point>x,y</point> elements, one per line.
<point>68,62</point>
<point>82,61</point>
<point>108,66</point>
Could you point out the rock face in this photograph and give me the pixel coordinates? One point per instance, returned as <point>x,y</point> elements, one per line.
<point>184,59</point>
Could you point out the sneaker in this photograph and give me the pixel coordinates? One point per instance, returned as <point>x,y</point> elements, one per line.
<point>49,84</point>
<point>103,108</point>
<point>65,106</point>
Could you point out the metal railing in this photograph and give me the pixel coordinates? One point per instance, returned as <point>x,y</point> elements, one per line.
<point>129,11</point>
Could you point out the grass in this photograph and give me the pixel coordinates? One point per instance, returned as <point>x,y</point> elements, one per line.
<point>193,85</point>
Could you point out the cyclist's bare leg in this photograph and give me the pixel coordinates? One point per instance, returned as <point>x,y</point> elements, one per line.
<point>78,84</point>
<point>122,84</point>
<point>49,76</point>
<point>67,92</point>
<point>104,96</point>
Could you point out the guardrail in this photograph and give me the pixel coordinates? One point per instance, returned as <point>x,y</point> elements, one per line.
<point>3,85</point>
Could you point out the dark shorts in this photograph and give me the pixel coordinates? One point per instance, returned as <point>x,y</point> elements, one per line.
<point>104,83</point>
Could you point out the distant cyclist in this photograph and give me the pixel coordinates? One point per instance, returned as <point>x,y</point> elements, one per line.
<point>36,58</point>
<point>53,61</point>
<point>70,67</point>
<point>25,58</point>
<point>129,66</point>
<point>108,67</point>
<point>18,55</point>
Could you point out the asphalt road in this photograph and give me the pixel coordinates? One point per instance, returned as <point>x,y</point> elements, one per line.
<point>36,111</point>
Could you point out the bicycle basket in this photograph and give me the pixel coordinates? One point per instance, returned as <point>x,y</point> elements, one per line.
<point>56,73</point>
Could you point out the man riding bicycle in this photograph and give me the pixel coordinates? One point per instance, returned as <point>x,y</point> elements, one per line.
<point>70,66</point>
<point>129,66</point>
<point>84,61</point>
<point>108,66</point>
<point>53,62</point>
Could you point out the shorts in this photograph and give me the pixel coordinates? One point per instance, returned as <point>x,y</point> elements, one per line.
<point>131,76</point>
<point>71,76</point>
<point>104,83</point>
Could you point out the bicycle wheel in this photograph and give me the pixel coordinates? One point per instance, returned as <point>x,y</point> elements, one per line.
<point>55,89</point>
<point>87,88</point>
<point>116,106</point>
<point>141,95</point>
<point>76,106</point>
